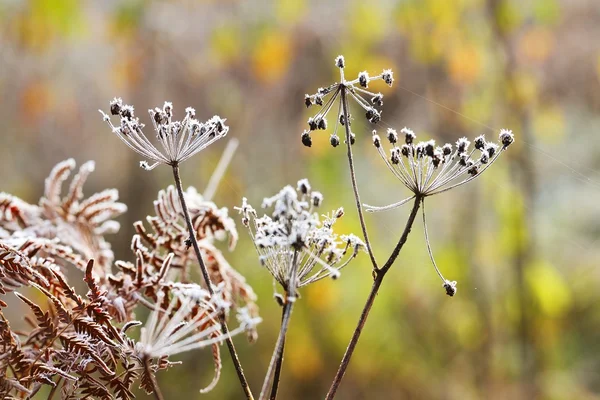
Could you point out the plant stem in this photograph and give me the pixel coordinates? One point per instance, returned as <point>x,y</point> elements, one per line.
<point>54,389</point>
<point>277,357</point>
<point>277,375</point>
<point>379,275</point>
<point>205,275</point>
<point>155,388</point>
<point>353,177</point>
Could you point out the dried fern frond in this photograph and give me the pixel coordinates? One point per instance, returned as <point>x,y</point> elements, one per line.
<point>169,235</point>
<point>75,223</point>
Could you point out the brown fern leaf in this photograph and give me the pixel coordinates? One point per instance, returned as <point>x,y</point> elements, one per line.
<point>45,322</point>
<point>78,344</point>
<point>16,270</point>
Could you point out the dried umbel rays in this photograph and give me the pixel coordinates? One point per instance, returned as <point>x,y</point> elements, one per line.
<point>179,140</point>
<point>426,169</point>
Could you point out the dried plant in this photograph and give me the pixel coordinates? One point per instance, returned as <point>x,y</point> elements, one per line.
<point>423,168</point>
<point>297,248</point>
<point>180,140</point>
<point>78,345</point>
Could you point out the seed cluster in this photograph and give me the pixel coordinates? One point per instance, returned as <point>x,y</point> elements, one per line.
<point>296,245</point>
<point>355,89</point>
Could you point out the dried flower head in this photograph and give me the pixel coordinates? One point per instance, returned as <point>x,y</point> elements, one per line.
<point>180,140</point>
<point>190,321</point>
<point>426,169</point>
<point>356,89</point>
<point>296,245</point>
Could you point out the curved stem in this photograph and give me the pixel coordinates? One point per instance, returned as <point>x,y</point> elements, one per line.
<point>379,275</point>
<point>361,217</point>
<point>205,275</point>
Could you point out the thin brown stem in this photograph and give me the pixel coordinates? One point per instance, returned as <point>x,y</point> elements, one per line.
<point>54,389</point>
<point>379,275</point>
<point>205,275</point>
<point>277,375</point>
<point>277,357</point>
<point>155,388</point>
<point>361,217</point>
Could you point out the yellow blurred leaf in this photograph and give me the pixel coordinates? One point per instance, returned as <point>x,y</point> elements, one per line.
<point>303,358</point>
<point>271,56</point>
<point>225,44</point>
<point>464,64</point>
<point>548,288</point>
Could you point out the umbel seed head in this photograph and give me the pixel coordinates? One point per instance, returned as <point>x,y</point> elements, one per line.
<point>346,91</point>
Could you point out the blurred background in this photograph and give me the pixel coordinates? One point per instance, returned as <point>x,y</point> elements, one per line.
<point>522,241</point>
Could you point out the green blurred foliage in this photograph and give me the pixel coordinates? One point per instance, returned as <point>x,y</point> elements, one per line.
<point>521,241</point>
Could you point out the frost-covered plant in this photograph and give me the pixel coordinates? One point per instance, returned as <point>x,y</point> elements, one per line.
<point>423,168</point>
<point>79,344</point>
<point>180,140</point>
<point>426,170</point>
<point>357,90</point>
<point>297,247</point>
<point>295,244</point>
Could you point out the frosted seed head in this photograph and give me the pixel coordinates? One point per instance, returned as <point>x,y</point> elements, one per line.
<point>479,142</point>
<point>392,135</point>
<point>377,100</point>
<point>303,186</point>
<point>447,149</point>
<point>322,123</point>
<point>428,148</point>
<point>388,77</point>
<point>409,135</point>
<point>127,111</point>
<point>450,287</point>
<point>506,137</point>
<point>363,79</point>
<point>334,140</point>
<point>307,100</point>
<point>306,139</point>
<point>191,112</point>
<point>115,106</point>
<point>491,149</point>
<point>340,62</point>
<point>316,199</point>
<point>376,140</point>
<point>484,158</point>
<point>373,115</point>
<point>168,109</point>
<point>312,124</point>
<point>462,145</point>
